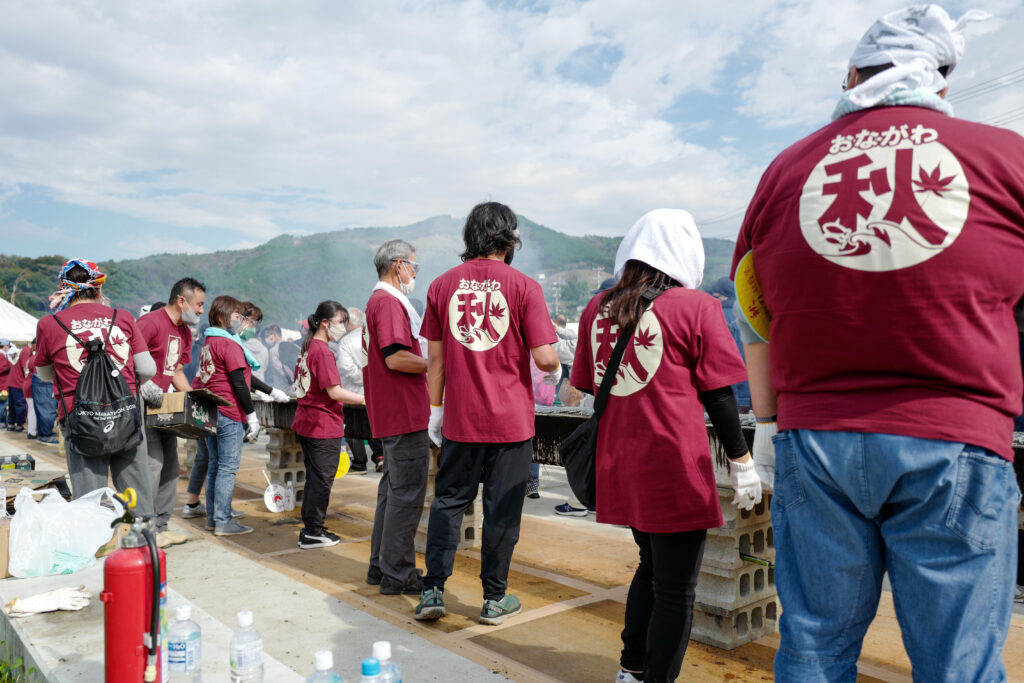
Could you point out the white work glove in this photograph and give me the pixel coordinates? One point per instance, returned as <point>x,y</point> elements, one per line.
<point>553,376</point>
<point>434,426</point>
<point>252,431</point>
<point>746,483</point>
<point>71,599</point>
<point>764,454</point>
<point>152,394</point>
<point>279,396</point>
<point>266,398</point>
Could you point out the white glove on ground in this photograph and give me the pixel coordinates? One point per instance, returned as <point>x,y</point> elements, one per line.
<point>252,431</point>
<point>266,398</point>
<point>70,598</point>
<point>746,483</point>
<point>764,454</point>
<point>152,394</point>
<point>279,396</point>
<point>434,426</point>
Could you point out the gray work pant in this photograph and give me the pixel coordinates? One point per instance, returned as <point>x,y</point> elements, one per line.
<point>400,497</point>
<point>162,452</point>
<point>129,469</point>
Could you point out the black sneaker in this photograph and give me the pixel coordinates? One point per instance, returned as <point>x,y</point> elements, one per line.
<point>357,469</point>
<point>321,538</point>
<point>414,586</point>
<point>374,576</point>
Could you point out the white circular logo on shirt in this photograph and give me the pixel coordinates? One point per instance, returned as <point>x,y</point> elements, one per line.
<point>641,359</point>
<point>301,385</point>
<point>205,371</point>
<point>117,344</point>
<point>366,344</point>
<point>884,200</point>
<point>478,314</point>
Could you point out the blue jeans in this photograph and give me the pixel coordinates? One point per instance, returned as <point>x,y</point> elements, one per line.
<point>939,517</point>
<point>16,407</point>
<point>45,406</point>
<point>225,456</point>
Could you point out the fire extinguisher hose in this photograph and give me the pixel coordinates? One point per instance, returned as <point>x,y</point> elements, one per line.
<point>154,620</point>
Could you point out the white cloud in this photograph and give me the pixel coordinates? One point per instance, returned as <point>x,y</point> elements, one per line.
<point>315,115</point>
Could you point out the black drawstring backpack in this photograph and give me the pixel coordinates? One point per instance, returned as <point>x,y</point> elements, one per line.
<point>106,418</point>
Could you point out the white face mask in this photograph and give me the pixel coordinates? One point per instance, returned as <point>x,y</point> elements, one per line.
<point>188,316</point>
<point>336,331</point>
<point>407,287</point>
<point>236,325</point>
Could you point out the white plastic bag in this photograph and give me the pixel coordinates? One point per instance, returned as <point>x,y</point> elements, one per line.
<point>54,536</point>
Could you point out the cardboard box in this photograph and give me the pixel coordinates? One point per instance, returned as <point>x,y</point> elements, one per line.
<point>13,480</point>
<point>188,414</point>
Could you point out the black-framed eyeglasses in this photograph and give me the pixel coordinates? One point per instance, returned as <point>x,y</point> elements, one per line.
<point>412,264</point>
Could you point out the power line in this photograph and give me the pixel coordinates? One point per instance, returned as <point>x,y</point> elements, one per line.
<point>988,86</point>
<point>1010,120</point>
<point>1012,113</point>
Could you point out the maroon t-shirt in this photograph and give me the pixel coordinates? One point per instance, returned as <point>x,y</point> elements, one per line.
<point>396,402</point>
<point>169,344</point>
<point>653,466</point>
<point>488,316</point>
<point>5,369</point>
<point>217,358</point>
<point>30,368</point>
<point>88,321</point>
<point>318,416</point>
<point>889,247</point>
<point>16,379</point>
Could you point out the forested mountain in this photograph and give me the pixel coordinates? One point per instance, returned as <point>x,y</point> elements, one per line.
<point>289,275</point>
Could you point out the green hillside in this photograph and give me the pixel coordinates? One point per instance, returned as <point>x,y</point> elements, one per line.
<point>289,275</point>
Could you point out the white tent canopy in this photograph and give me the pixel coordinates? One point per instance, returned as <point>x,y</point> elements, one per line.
<point>15,324</point>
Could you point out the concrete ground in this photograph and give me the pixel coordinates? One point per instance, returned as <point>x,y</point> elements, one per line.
<point>571,574</point>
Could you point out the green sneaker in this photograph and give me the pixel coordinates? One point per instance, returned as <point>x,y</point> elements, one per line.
<point>431,605</point>
<point>496,611</point>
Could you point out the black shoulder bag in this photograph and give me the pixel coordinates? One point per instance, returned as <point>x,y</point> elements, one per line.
<point>579,450</point>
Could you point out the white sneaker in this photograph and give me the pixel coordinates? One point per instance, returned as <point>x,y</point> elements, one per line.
<point>197,510</point>
<point>1019,597</point>
<point>626,677</point>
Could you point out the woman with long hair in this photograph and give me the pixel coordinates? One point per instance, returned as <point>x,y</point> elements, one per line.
<point>319,422</point>
<point>653,466</point>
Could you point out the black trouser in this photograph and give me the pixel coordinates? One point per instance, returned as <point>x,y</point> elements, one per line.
<point>659,609</point>
<point>358,449</point>
<point>503,468</point>
<point>400,497</point>
<point>321,457</point>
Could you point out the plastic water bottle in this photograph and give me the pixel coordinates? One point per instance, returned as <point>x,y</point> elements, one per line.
<point>371,671</point>
<point>184,653</point>
<point>323,662</point>
<point>389,671</point>
<point>246,652</point>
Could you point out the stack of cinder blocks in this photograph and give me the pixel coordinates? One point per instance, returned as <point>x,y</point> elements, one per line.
<point>472,521</point>
<point>286,464</point>
<point>736,600</point>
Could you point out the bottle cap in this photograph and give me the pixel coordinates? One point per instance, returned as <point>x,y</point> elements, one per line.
<point>323,660</point>
<point>184,612</point>
<point>244,619</point>
<point>371,667</point>
<point>382,650</point>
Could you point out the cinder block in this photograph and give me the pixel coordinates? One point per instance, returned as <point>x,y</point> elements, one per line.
<point>736,518</point>
<point>296,476</point>
<point>285,459</point>
<point>472,520</point>
<point>723,548</point>
<point>722,591</point>
<point>736,628</point>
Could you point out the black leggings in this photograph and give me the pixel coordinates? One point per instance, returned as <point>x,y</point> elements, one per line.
<point>659,609</point>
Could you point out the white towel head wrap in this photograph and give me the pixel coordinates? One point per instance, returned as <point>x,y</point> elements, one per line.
<point>917,41</point>
<point>666,239</point>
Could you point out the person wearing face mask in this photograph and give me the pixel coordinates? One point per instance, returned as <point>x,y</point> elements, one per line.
<point>319,422</point>
<point>251,340</point>
<point>225,368</point>
<point>169,340</point>
<point>398,407</point>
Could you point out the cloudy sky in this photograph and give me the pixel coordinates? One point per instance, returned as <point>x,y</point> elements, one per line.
<point>132,128</point>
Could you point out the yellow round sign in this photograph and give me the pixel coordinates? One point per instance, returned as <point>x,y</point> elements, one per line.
<point>750,297</point>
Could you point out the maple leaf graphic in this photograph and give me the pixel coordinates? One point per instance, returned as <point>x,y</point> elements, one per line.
<point>933,182</point>
<point>644,338</point>
<point>117,340</point>
<point>496,311</point>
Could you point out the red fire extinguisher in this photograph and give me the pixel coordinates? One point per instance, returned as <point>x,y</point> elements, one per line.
<point>135,594</point>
